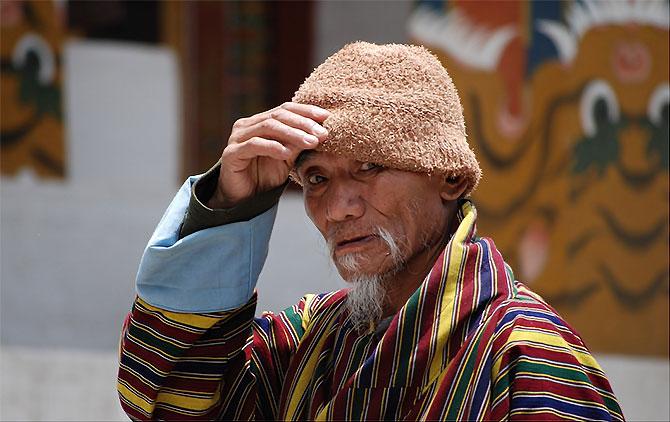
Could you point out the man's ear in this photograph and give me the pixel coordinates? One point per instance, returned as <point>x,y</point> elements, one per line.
<point>453,187</point>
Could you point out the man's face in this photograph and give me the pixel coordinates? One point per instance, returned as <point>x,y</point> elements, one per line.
<point>377,221</point>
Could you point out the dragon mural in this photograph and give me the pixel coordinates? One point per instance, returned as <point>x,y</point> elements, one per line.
<point>567,109</point>
<point>31,128</point>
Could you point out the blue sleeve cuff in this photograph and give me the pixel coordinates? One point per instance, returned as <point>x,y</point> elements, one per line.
<point>211,270</point>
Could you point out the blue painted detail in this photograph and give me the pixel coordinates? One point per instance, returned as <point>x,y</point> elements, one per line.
<point>436,5</point>
<point>542,48</point>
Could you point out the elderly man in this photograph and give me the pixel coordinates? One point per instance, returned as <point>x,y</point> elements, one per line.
<point>434,325</point>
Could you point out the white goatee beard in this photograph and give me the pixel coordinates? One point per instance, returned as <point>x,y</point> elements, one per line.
<point>365,300</point>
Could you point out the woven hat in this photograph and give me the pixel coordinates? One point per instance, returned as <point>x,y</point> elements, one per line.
<point>392,105</point>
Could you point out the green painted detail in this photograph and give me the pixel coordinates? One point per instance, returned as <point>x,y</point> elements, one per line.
<point>658,141</point>
<point>601,149</point>
<point>46,99</point>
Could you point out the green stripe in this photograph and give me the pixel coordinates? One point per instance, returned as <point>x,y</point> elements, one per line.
<point>501,384</point>
<point>296,321</point>
<point>358,403</point>
<point>407,342</point>
<point>151,340</point>
<point>612,405</point>
<point>456,402</point>
<point>357,356</point>
<point>503,381</point>
<point>537,368</point>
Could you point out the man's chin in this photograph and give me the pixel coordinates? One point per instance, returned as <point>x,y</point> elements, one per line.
<point>362,274</point>
<point>366,270</point>
<point>354,278</point>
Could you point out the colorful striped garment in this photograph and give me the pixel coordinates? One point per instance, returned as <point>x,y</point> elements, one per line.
<point>470,344</point>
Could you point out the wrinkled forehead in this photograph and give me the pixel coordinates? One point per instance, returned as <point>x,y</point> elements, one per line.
<point>315,158</point>
<point>308,157</point>
<point>302,157</point>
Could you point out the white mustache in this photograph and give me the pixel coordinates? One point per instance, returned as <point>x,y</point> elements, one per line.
<point>351,262</point>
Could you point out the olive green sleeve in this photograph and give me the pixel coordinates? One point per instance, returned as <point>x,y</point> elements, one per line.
<point>200,217</point>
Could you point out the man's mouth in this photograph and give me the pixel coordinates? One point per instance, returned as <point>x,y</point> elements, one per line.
<point>353,244</point>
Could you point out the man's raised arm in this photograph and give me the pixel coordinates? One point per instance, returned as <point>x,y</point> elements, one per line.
<point>191,330</point>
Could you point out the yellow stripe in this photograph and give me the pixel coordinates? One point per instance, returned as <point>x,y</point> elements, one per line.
<point>132,397</point>
<point>323,414</point>
<point>446,312</point>
<point>194,320</point>
<point>495,370</point>
<point>190,403</point>
<point>554,339</point>
<point>303,381</point>
<point>520,335</point>
<point>441,377</point>
<point>307,369</point>
<point>305,376</point>
<point>170,323</point>
<point>306,314</point>
<point>526,411</point>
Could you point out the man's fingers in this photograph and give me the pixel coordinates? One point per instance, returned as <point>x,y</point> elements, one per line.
<point>281,133</point>
<point>315,113</point>
<point>275,129</point>
<point>255,147</point>
<point>295,120</point>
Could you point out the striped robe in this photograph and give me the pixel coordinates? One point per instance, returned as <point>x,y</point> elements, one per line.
<point>470,344</point>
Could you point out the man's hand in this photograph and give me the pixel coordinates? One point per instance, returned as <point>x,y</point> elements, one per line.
<point>263,148</point>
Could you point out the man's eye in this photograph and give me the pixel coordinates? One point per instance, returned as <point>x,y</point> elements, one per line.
<point>369,166</point>
<point>315,179</point>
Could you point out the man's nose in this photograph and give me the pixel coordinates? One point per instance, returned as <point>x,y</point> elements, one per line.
<point>344,202</point>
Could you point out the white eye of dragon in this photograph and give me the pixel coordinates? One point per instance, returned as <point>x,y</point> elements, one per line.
<point>657,101</point>
<point>595,91</point>
<point>33,42</point>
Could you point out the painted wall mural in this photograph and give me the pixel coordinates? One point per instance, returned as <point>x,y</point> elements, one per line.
<point>31,121</point>
<point>567,109</point>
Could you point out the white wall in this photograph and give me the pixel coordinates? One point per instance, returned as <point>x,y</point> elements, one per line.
<point>341,22</point>
<point>641,384</point>
<point>70,249</point>
<point>297,262</point>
